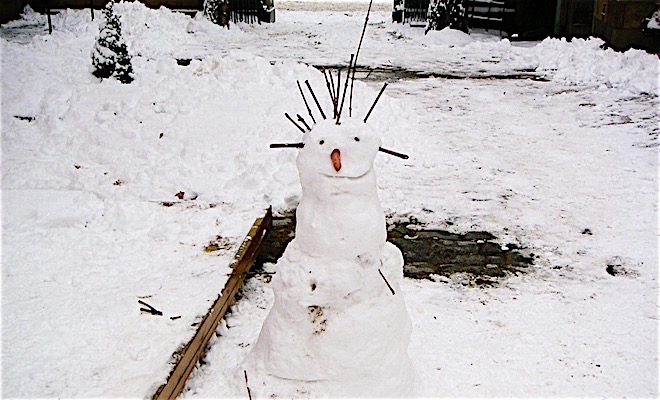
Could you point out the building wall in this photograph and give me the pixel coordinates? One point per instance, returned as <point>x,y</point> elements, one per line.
<point>534,19</point>
<point>11,9</point>
<point>619,23</point>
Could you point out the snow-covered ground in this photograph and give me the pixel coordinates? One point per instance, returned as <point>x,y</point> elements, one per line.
<point>566,167</point>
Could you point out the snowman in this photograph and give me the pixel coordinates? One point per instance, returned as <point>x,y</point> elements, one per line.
<point>339,326</point>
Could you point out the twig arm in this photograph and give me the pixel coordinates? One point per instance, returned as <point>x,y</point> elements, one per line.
<point>393,153</point>
<point>287,145</point>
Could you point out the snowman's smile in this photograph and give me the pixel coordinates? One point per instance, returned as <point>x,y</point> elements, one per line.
<point>346,177</point>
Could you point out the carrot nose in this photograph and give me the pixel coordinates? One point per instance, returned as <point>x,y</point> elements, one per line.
<point>336,159</point>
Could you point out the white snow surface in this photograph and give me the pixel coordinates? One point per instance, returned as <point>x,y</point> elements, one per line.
<point>566,167</point>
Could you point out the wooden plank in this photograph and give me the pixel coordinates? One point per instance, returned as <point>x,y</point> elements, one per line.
<point>194,350</point>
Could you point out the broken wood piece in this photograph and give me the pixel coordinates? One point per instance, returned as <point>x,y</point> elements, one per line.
<point>194,349</point>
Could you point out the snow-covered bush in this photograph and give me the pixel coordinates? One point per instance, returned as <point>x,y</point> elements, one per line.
<point>110,56</point>
<point>447,13</point>
<point>217,11</point>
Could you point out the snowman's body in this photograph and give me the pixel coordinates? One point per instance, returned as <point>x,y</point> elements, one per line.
<point>335,328</point>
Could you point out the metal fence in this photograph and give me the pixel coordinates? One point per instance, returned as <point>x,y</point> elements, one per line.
<point>415,11</point>
<point>489,14</point>
<point>247,11</point>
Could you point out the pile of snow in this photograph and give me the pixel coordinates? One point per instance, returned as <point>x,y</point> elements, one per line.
<point>584,61</point>
<point>448,37</point>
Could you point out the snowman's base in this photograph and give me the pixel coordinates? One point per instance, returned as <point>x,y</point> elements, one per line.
<point>269,386</point>
<point>335,329</point>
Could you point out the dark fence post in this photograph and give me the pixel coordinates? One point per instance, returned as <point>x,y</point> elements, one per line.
<point>50,24</point>
<point>91,8</point>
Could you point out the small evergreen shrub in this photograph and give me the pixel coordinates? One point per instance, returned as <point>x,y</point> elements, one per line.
<point>447,13</point>
<point>110,56</point>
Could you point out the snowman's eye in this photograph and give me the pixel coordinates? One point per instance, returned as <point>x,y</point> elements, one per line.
<point>357,139</point>
<point>321,142</point>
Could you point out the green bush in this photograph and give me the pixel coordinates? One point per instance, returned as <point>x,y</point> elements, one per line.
<point>110,56</point>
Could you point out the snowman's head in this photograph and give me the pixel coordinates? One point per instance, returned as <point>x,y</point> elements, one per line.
<point>345,151</point>
<point>338,158</point>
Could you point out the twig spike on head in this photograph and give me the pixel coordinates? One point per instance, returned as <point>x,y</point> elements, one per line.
<point>327,84</point>
<point>301,119</point>
<point>315,99</point>
<point>375,101</point>
<point>357,54</point>
<point>309,110</point>
<point>348,74</point>
<point>333,94</point>
<point>294,122</point>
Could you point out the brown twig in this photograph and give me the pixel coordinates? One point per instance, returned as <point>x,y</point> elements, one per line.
<point>338,92</point>
<point>327,84</point>
<point>375,101</point>
<point>287,145</point>
<point>149,308</point>
<point>386,282</point>
<point>357,54</point>
<point>260,273</point>
<point>393,153</point>
<point>348,74</point>
<point>246,385</point>
<point>309,110</point>
<point>315,99</point>
<point>301,119</point>
<point>294,122</point>
<point>333,96</point>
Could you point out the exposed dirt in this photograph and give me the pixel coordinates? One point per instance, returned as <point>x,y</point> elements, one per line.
<point>392,73</point>
<point>426,251</point>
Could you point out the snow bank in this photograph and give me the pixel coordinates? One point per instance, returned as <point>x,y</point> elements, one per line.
<point>586,62</point>
<point>163,33</point>
<point>448,37</point>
